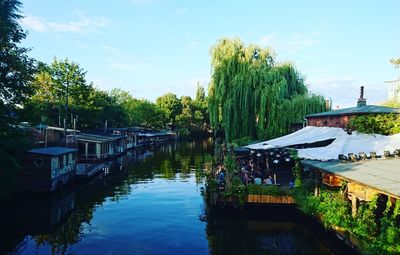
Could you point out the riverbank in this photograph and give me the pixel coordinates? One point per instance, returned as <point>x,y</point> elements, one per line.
<point>371,228</point>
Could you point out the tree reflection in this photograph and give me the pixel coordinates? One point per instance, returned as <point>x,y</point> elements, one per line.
<point>60,221</point>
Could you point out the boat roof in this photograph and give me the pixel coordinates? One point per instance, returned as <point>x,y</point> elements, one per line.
<point>53,151</point>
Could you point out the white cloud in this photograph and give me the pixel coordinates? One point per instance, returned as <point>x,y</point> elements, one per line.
<point>83,25</point>
<point>180,12</point>
<point>296,42</point>
<point>299,42</point>
<point>34,22</point>
<point>268,41</point>
<point>345,90</point>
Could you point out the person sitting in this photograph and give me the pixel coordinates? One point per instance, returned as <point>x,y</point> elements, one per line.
<point>257,181</point>
<point>269,180</point>
<point>221,180</point>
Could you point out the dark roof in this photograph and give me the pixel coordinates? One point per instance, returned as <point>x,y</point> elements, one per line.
<point>53,151</point>
<point>356,111</point>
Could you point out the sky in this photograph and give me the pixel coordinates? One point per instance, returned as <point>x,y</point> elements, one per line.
<point>151,47</point>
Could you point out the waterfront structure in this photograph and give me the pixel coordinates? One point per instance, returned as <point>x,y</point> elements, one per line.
<point>93,147</point>
<point>341,118</point>
<point>48,136</point>
<point>394,90</point>
<point>46,169</point>
<point>365,179</point>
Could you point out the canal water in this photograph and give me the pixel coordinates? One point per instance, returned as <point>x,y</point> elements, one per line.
<point>148,202</point>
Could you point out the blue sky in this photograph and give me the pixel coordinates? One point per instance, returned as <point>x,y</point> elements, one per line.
<point>150,47</point>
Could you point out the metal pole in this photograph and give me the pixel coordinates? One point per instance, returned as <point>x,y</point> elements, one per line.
<point>66,112</point>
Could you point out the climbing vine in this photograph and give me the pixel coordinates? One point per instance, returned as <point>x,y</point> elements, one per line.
<point>252,96</point>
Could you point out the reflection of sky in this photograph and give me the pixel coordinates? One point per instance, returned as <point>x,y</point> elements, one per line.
<point>157,217</point>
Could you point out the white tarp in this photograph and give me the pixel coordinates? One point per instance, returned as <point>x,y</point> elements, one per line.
<point>354,143</point>
<point>343,143</point>
<point>308,134</point>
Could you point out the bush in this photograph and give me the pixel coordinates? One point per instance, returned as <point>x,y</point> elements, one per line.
<point>254,189</point>
<point>384,124</point>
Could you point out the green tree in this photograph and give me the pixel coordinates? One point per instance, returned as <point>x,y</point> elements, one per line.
<point>384,124</point>
<point>395,61</point>
<point>170,104</point>
<point>64,80</point>
<point>200,94</point>
<point>251,96</point>
<point>16,69</point>
<point>147,114</point>
<point>200,105</point>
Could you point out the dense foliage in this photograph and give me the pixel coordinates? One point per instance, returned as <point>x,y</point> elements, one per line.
<point>16,69</point>
<point>251,95</point>
<point>385,124</point>
<point>64,81</point>
<point>374,235</point>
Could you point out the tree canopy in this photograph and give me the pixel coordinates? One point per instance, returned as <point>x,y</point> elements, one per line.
<point>252,96</point>
<point>395,61</point>
<point>170,104</point>
<point>16,69</point>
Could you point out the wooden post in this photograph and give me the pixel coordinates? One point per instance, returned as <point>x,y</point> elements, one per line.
<point>353,206</point>
<point>317,190</point>
<point>275,179</point>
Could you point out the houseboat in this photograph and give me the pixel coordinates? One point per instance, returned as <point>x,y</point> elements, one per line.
<point>94,150</point>
<point>46,169</point>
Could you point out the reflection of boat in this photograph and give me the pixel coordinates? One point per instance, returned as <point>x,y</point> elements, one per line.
<point>87,170</point>
<point>33,215</point>
<point>145,155</point>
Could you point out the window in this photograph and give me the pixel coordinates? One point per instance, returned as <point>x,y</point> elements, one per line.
<point>54,163</point>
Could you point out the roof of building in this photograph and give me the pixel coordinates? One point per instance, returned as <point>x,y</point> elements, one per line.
<point>53,151</point>
<point>96,138</point>
<point>356,111</point>
<point>381,174</point>
<point>41,126</point>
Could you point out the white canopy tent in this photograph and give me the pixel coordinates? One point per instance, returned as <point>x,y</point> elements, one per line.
<point>305,135</point>
<point>355,143</point>
<point>343,143</point>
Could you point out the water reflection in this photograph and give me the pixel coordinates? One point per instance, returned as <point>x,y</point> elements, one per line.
<point>261,231</point>
<point>147,202</point>
<point>50,224</point>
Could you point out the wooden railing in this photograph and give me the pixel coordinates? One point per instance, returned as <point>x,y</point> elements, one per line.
<point>269,199</point>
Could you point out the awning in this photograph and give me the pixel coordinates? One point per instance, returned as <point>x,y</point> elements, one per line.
<point>305,135</point>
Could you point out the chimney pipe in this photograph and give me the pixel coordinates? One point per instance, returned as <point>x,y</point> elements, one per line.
<point>361,101</point>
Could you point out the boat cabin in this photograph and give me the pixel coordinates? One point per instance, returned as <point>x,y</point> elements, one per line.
<point>46,169</point>
<point>93,147</point>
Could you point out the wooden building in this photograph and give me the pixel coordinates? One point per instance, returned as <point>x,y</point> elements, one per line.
<point>365,179</point>
<point>341,118</point>
<point>47,169</point>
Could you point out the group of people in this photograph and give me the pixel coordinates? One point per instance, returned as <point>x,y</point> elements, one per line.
<point>250,171</point>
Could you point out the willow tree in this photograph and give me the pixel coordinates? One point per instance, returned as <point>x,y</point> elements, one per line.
<point>251,95</point>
